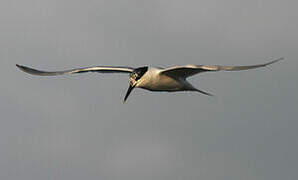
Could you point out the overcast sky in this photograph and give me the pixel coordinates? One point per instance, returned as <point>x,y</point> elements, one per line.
<point>76,127</point>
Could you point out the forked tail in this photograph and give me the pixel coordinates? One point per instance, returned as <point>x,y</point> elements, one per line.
<point>203,92</point>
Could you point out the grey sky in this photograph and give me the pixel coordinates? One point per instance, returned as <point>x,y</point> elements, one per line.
<point>76,127</point>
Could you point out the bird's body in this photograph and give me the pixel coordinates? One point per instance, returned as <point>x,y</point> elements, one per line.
<point>151,78</point>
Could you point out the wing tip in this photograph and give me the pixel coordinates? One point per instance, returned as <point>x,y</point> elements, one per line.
<point>29,70</point>
<point>274,61</point>
<point>23,68</point>
<point>19,66</point>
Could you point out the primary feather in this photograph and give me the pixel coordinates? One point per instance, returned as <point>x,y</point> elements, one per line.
<point>100,69</point>
<point>190,70</point>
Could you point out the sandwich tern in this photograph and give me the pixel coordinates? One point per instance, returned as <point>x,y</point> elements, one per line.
<point>152,78</point>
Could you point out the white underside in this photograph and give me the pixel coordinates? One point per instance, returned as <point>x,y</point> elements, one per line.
<point>153,80</point>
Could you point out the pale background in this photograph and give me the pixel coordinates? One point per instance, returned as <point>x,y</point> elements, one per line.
<point>76,127</point>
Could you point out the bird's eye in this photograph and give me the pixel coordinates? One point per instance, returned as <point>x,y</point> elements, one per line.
<point>134,75</point>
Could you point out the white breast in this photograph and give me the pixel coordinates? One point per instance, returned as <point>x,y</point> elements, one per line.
<point>153,80</point>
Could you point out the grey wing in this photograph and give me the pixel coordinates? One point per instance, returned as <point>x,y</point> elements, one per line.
<point>190,70</point>
<point>100,69</point>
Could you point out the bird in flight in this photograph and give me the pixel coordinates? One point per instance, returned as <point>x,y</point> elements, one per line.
<point>169,79</point>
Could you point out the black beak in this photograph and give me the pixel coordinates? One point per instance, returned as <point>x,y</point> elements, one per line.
<point>130,88</point>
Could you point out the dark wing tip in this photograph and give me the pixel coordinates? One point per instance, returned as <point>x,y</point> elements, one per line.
<point>280,59</point>
<point>23,68</point>
<point>31,70</point>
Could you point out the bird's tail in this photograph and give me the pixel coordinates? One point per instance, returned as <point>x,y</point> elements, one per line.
<point>203,92</point>
<point>190,87</point>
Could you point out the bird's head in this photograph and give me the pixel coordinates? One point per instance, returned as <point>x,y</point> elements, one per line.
<point>134,78</point>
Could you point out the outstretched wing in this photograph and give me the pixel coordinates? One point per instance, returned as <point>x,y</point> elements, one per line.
<point>190,70</point>
<point>100,69</point>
